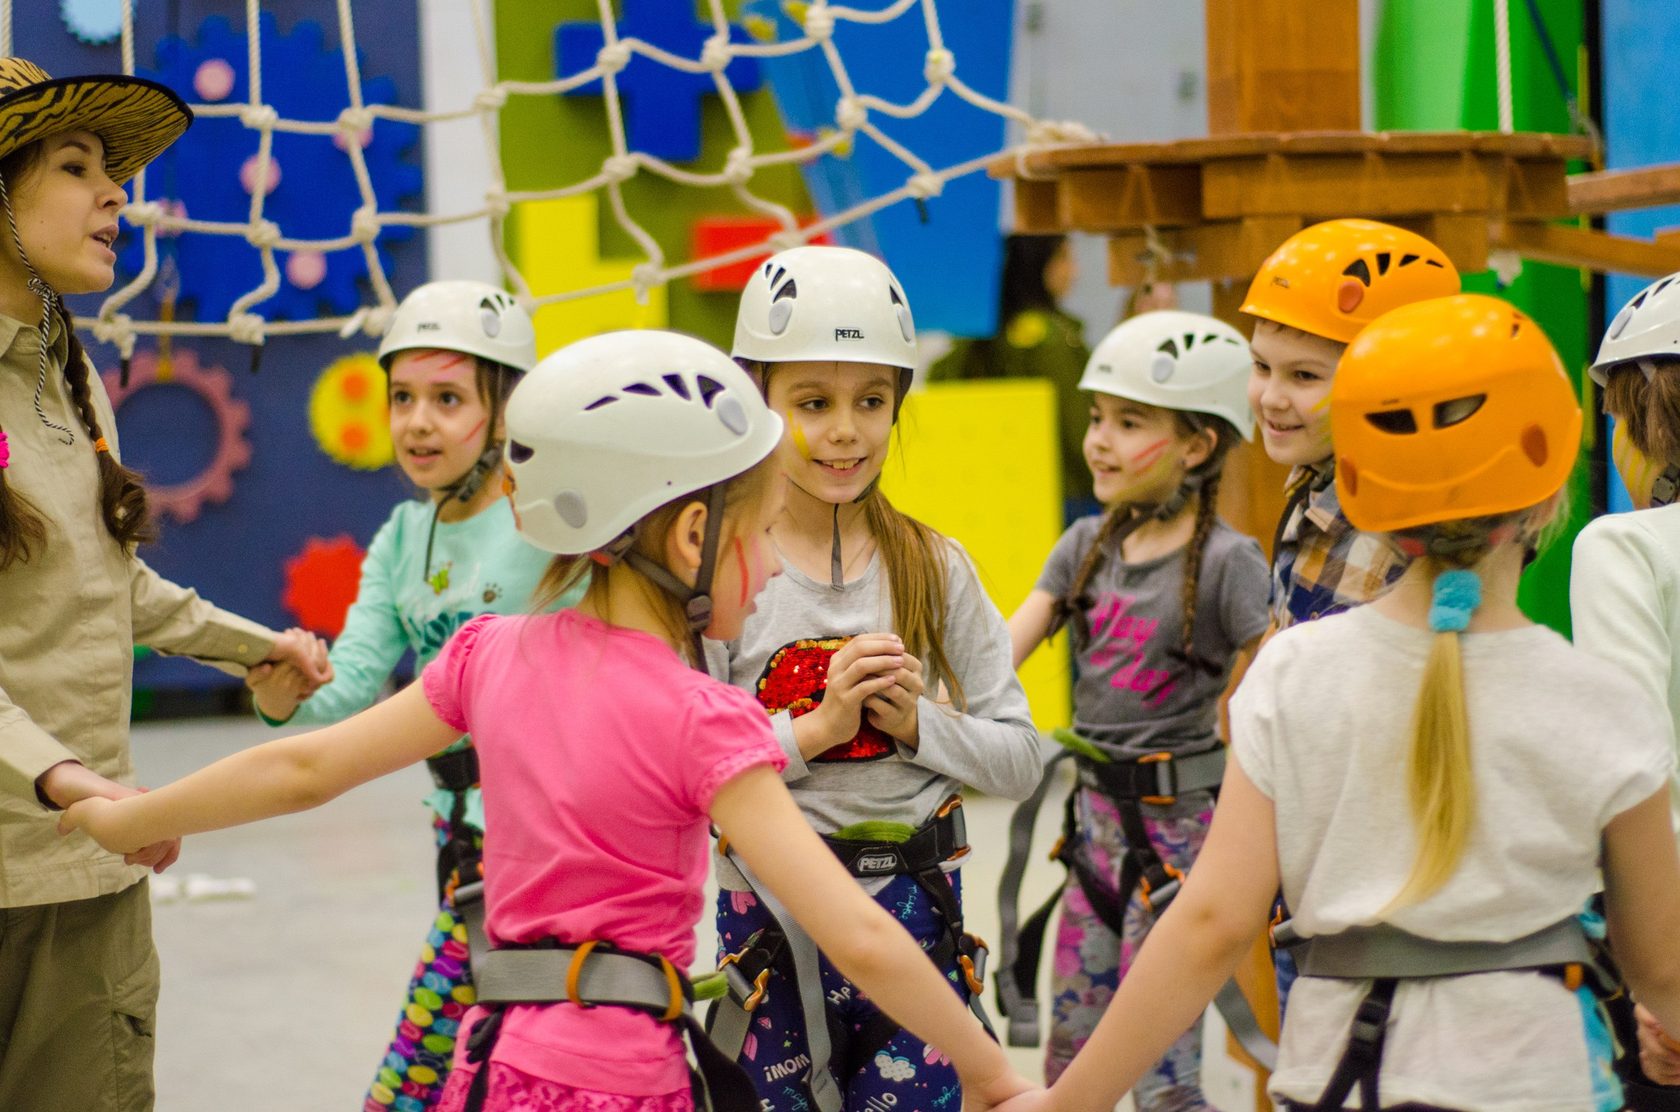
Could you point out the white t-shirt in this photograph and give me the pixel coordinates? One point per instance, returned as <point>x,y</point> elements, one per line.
<point>1624,598</point>
<point>1561,744</point>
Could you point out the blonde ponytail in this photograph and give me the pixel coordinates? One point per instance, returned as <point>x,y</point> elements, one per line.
<point>1441,786</point>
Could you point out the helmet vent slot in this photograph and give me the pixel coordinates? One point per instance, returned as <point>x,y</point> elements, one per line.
<point>678,386</point>
<point>599,402</point>
<point>645,389</point>
<point>1359,269</point>
<point>519,453</point>
<point>1383,259</point>
<point>790,290</point>
<point>1436,263</point>
<point>709,388</point>
<point>1399,421</point>
<point>1169,346</point>
<point>1408,260</point>
<point>1457,411</point>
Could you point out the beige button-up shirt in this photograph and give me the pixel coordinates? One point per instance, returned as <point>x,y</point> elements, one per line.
<point>69,620</point>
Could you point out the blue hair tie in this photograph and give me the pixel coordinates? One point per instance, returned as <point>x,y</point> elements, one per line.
<point>1457,594</point>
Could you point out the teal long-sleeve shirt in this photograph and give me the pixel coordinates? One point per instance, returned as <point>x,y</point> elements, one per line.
<point>479,566</point>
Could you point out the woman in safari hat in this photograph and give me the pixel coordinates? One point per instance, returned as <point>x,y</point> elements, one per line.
<point>78,972</point>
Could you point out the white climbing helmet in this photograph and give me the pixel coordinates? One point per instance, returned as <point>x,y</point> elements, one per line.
<point>1648,327</point>
<point>1176,360</point>
<point>825,304</point>
<point>610,428</point>
<point>474,318</point>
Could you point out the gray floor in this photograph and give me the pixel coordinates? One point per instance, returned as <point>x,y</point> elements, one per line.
<point>284,998</point>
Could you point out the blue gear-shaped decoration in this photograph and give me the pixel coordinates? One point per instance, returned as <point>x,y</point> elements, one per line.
<point>210,170</point>
<point>95,22</point>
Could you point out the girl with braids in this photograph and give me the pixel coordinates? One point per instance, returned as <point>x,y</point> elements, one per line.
<point>885,671</point>
<point>1162,597</point>
<point>78,972</point>
<point>1432,815</point>
<point>452,355</point>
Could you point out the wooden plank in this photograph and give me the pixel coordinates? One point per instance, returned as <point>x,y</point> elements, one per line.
<point>1324,186</point>
<point>1130,197</point>
<point>1227,249</point>
<point>1617,190</point>
<point>1565,245</point>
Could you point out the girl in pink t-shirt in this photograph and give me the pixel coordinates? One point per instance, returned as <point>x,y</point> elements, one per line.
<point>604,754</point>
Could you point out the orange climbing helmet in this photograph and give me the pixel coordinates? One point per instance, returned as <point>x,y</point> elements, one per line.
<point>1334,278</point>
<point>1451,408</point>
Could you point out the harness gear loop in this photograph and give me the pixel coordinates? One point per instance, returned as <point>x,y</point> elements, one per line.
<point>575,970</point>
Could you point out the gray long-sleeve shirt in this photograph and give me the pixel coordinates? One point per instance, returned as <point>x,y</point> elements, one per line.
<point>990,743</point>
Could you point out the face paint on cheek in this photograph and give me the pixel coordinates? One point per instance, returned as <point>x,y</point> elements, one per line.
<point>741,564</point>
<point>798,432</point>
<point>476,429</point>
<point>1150,455</point>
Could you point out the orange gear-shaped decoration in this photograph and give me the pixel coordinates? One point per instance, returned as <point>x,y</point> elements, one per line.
<point>214,386</point>
<point>348,413</point>
<point>321,583</point>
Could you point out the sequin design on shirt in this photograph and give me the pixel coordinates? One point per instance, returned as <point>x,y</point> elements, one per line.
<point>795,679</point>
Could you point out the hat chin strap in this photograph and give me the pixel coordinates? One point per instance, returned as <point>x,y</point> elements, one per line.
<point>696,600</point>
<point>49,304</point>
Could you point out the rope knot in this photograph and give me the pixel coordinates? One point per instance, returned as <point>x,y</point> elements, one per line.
<point>117,329</point>
<point>496,200</point>
<point>263,235</point>
<point>613,57</point>
<point>142,214</point>
<point>717,54</point>
<point>364,224</point>
<point>491,99</point>
<point>819,22</point>
<point>850,114</point>
<point>354,122</point>
<point>619,168</point>
<point>924,185</point>
<point>246,328</point>
<point>737,168</point>
<point>941,64</point>
<point>259,117</point>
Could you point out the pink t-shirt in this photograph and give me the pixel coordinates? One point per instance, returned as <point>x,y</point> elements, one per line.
<point>599,753</point>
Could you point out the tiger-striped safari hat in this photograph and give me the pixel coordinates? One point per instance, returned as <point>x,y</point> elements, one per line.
<point>136,119</point>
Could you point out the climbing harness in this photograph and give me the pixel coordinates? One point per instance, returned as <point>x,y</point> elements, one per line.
<point>1156,779</point>
<point>784,945</point>
<point>589,974</point>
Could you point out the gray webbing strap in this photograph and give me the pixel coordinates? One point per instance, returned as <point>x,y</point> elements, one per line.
<point>807,976</point>
<point>1381,951</point>
<point>1019,1003</point>
<point>539,976</point>
<point>1244,1026</point>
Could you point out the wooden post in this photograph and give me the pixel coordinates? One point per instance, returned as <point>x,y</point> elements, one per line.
<point>1283,65</point>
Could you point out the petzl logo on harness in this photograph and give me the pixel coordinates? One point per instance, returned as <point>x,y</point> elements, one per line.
<point>848,333</point>
<point>876,862</point>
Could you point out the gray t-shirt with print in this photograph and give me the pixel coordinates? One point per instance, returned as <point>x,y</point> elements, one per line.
<point>1136,692</point>
<point>782,658</point>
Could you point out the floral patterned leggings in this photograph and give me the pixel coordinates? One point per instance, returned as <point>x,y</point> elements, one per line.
<point>412,1074</point>
<point>1090,960</point>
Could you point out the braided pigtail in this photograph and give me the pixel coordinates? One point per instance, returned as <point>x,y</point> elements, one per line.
<point>122,498</point>
<point>1207,513</point>
<point>1071,607</point>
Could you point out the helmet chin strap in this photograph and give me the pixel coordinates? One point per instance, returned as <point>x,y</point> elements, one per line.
<point>462,490</point>
<point>696,600</point>
<point>49,304</point>
<point>836,562</point>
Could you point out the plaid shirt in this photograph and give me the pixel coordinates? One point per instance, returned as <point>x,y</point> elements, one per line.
<point>1321,564</point>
